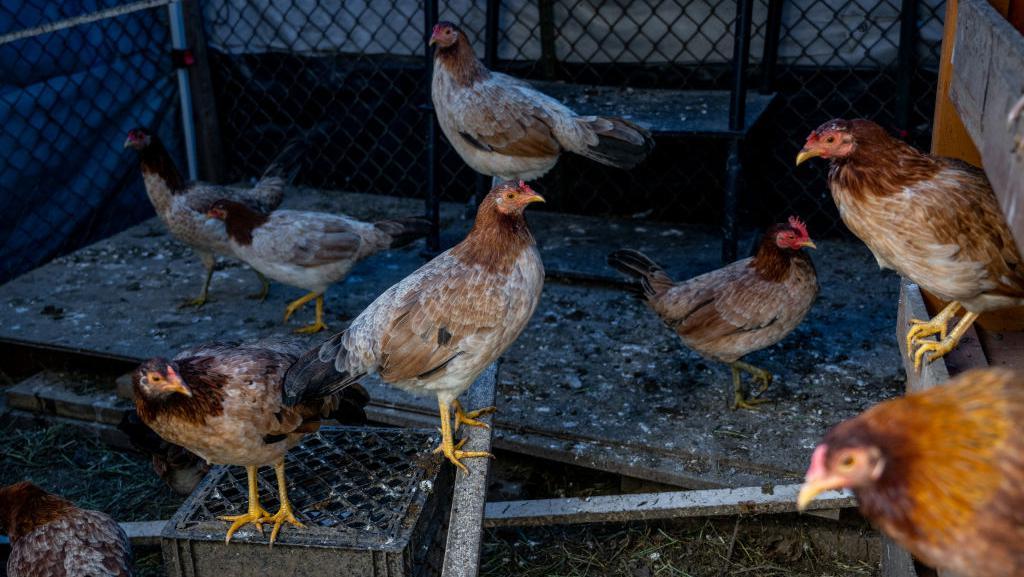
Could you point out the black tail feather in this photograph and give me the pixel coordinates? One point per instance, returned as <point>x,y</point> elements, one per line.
<point>404,230</point>
<point>653,278</point>
<point>314,375</point>
<point>620,143</point>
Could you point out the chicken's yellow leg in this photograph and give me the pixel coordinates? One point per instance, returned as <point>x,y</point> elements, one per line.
<point>209,263</point>
<point>448,447</point>
<point>319,324</point>
<point>937,325</point>
<point>254,515</point>
<point>264,287</point>
<point>939,349</point>
<point>740,401</point>
<point>284,514</point>
<point>469,418</point>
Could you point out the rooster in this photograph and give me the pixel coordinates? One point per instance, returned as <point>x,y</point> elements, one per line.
<point>51,537</point>
<point>939,471</point>
<point>182,205</point>
<point>932,219</point>
<point>310,250</point>
<point>440,327</point>
<point>736,310</point>
<point>223,402</point>
<point>504,128</point>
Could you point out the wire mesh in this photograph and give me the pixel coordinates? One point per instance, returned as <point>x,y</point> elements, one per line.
<point>67,99</point>
<point>352,487</point>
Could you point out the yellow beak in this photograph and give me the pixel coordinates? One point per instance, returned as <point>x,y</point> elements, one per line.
<point>179,387</point>
<point>808,244</point>
<point>806,154</point>
<point>432,41</point>
<point>534,198</point>
<point>811,489</point>
<point>127,143</point>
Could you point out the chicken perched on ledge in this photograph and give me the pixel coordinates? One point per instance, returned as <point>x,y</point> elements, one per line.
<point>51,537</point>
<point>940,471</point>
<point>744,307</point>
<point>503,127</point>
<point>182,205</point>
<point>309,250</point>
<point>440,327</point>
<point>223,402</point>
<point>933,220</point>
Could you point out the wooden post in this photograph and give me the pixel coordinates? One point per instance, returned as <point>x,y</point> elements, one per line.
<point>212,163</point>
<point>949,137</point>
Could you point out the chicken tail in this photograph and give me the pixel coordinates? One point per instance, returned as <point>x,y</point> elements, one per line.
<point>316,376</point>
<point>403,231</point>
<point>348,405</point>
<point>620,143</point>
<point>653,279</point>
<point>268,192</point>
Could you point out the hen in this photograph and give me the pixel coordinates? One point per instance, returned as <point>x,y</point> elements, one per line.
<point>744,307</point>
<point>309,250</point>
<point>933,220</point>
<point>179,468</point>
<point>440,327</point>
<point>182,205</point>
<point>223,402</point>
<point>940,471</point>
<point>503,127</point>
<point>50,537</point>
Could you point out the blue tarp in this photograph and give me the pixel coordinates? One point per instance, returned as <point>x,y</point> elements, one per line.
<point>67,101</point>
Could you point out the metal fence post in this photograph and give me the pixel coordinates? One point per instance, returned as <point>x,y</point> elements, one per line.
<point>177,20</point>
<point>430,17</point>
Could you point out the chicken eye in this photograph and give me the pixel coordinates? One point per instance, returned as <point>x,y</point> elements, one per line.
<point>510,196</point>
<point>848,462</point>
<point>830,139</point>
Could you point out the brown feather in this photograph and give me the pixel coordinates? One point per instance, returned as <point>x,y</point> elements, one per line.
<point>154,159</point>
<point>461,62</point>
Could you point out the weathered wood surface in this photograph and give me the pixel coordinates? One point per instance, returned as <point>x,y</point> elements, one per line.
<point>988,79</point>
<point>651,506</point>
<point>949,137</point>
<point>50,393</point>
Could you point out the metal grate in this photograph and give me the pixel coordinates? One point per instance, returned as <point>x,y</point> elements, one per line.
<point>352,487</point>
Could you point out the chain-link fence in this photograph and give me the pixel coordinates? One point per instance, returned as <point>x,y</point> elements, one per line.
<point>351,78</point>
<point>74,78</point>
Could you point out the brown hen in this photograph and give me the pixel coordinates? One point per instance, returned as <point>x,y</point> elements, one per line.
<point>51,537</point>
<point>744,307</point>
<point>940,471</point>
<point>932,219</point>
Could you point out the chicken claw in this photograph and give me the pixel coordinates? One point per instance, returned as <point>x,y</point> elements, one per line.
<point>454,452</point>
<point>739,400</point>
<point>939,349</point>
<point>256,513</point>
<point>285,513</point>
<point>937,325</point>
<point>470,418</point>
<point>317,325</point>
<point>264,288</point>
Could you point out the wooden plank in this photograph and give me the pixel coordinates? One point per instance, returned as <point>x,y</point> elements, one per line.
<point>949,137</point>
<point>52,393</point>
<point>911,306</point>
<point>896,561</point>
<point>651,506</point>
<point>212,164</point>
<point>143,533</point>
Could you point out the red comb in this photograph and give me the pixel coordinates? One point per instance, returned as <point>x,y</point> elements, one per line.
<point>798,225</point>
<point>812,136</point>
<point>524,187</point>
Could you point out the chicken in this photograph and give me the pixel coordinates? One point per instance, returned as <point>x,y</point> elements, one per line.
<point>180,468</point>
<point>223,402</point>
<point>440,327</point>
<point>503,127</point>
<point>941,472</point>
<point>933,220</point>
<point>182,206</point>
<point>733,311</point>
<point>309,250</point>
<point>51,537</point>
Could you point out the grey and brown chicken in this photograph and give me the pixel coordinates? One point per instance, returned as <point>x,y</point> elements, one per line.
<point>438,329</point>
<point>743,307</point>
<point>309,250</point>
<point>503,127</point>
<point>223,402</point>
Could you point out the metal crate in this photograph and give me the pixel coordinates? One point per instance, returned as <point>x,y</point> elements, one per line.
<point>375,502</point>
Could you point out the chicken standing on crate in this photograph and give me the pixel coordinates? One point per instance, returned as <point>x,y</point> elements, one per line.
<point>940,471</point>
<point>503,127</point>
<point>440,327</point>
<point>744,307</point>
<point>309,250</point>
<point>932,219</point>
<point>182,205</point>
<point>223,402</point>
<point>51,537</point>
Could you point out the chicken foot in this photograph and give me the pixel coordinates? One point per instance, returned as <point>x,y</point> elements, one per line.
<point>318,325</point>
<point>941,348</point>
<point>739,400</point>
<point>469,418</point>
<point>448,447</point>
<point>285,513</point>
<point>264,288</point>
<point>256,513</point>
<point>937,325</point>
<point>209,263</point>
